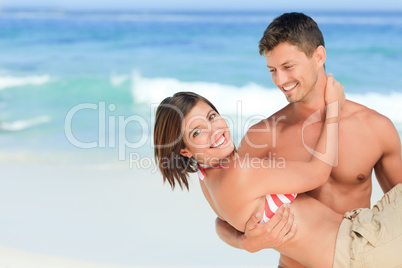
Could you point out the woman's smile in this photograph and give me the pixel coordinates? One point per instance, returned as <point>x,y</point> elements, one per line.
<point>219,142</point>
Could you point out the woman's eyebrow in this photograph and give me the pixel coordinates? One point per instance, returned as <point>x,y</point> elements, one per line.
<point>212,110</point>
<point>191,131</point>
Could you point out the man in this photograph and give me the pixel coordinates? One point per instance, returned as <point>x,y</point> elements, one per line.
<point>293,47</point>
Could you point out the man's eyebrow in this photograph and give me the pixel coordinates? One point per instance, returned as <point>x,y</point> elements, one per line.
<point>285,63</point>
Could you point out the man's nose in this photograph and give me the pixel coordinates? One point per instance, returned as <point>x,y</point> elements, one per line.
<point>280,78</point>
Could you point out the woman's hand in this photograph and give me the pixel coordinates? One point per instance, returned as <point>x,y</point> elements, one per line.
<point>334,93</point>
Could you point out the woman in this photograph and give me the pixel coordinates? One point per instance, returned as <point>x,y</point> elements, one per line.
<point>190,136</point>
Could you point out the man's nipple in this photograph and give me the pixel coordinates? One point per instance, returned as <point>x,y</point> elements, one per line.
<point>361,177</point>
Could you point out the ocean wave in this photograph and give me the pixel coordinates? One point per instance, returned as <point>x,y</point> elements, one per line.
<point>135,16</point>
<point>248,100</point>
<point>215,17</point>
<point>360,20</point>
<point>251,99</point>
<point>23,124</point>
<point>116,79</point>
<point>13,81</point>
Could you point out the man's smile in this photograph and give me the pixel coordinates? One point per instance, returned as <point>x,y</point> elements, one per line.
<point>290,87</point>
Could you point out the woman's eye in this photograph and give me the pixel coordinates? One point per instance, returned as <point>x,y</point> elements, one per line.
<point>212,116</point>
<point>195,134</point>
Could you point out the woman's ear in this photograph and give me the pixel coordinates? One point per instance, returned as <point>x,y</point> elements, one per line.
<point>320,55</point>
<point>186,153</point>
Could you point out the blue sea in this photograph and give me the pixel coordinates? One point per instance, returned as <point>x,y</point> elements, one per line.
<point>87,83</point>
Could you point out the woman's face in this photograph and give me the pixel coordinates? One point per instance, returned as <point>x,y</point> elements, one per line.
<point>206,135</point>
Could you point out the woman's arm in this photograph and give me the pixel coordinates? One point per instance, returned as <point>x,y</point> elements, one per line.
<point>261,176</point>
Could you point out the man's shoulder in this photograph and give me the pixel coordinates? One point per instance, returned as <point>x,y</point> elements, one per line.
<point>278,118</point>
<point>357,110</point>
<point>363,114</point>
<point>260,137</point>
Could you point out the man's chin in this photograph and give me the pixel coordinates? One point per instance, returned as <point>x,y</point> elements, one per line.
<point>290,99</point>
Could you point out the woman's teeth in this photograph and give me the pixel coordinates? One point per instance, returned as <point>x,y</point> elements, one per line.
<point>219,142</point>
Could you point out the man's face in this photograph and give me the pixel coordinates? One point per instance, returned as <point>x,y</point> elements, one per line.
<point>292,71</point>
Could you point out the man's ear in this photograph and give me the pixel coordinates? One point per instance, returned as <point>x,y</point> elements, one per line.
<point>186,153</point>
<point>320,55</point>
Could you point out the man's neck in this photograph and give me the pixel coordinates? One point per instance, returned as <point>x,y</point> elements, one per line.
<point>314,101</point>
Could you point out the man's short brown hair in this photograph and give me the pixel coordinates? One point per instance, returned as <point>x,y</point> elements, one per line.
<point>295,28</point>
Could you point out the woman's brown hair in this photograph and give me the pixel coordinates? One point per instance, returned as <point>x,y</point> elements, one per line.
<point>168,138</point>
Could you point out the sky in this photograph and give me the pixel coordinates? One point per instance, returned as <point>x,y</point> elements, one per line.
<point>355,5</point>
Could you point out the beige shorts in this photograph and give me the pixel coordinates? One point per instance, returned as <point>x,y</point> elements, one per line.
<point>372,237</point>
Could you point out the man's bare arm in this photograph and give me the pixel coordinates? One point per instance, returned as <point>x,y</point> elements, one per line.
<point>277,230</point>
<point>228,234</point>
<point>256,143</point>
<point>388,169</point>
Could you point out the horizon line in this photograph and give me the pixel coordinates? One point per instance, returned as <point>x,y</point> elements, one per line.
<point>170,9</point>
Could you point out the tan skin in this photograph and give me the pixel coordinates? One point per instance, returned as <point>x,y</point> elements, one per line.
<point>237,190</point>
<point>367,141</point>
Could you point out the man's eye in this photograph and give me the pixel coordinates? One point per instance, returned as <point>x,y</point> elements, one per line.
<point>288,67</point>
<point>272,70</point>
<point>195,134</point>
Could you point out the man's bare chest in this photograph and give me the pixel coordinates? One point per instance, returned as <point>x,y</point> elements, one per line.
<point>358,151</point>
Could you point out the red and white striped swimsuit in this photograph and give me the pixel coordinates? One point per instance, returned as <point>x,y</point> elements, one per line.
<point>272,201</point>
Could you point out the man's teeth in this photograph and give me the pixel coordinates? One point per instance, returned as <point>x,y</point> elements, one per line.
<point>219,142</point>
<point>289,87</point>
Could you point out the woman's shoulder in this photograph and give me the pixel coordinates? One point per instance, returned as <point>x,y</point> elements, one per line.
<point>237,171</point>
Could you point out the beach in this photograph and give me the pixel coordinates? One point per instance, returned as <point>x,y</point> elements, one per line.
<point>13,258</point>
<point>78,93</point>
<point>20,259</point>
<point>88,210</point>
<point>102,211</point>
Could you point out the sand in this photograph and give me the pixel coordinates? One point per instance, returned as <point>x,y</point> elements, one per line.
<point>13,258</point>
<point>86,209</point>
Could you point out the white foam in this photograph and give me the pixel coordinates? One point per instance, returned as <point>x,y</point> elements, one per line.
<point>254,99</point>
<point>251,99</point>
<point>24,124</point>
<point>13,81</point>
<point>116,80</point>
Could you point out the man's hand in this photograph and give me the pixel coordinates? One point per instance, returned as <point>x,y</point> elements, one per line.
<point>279,229</point>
